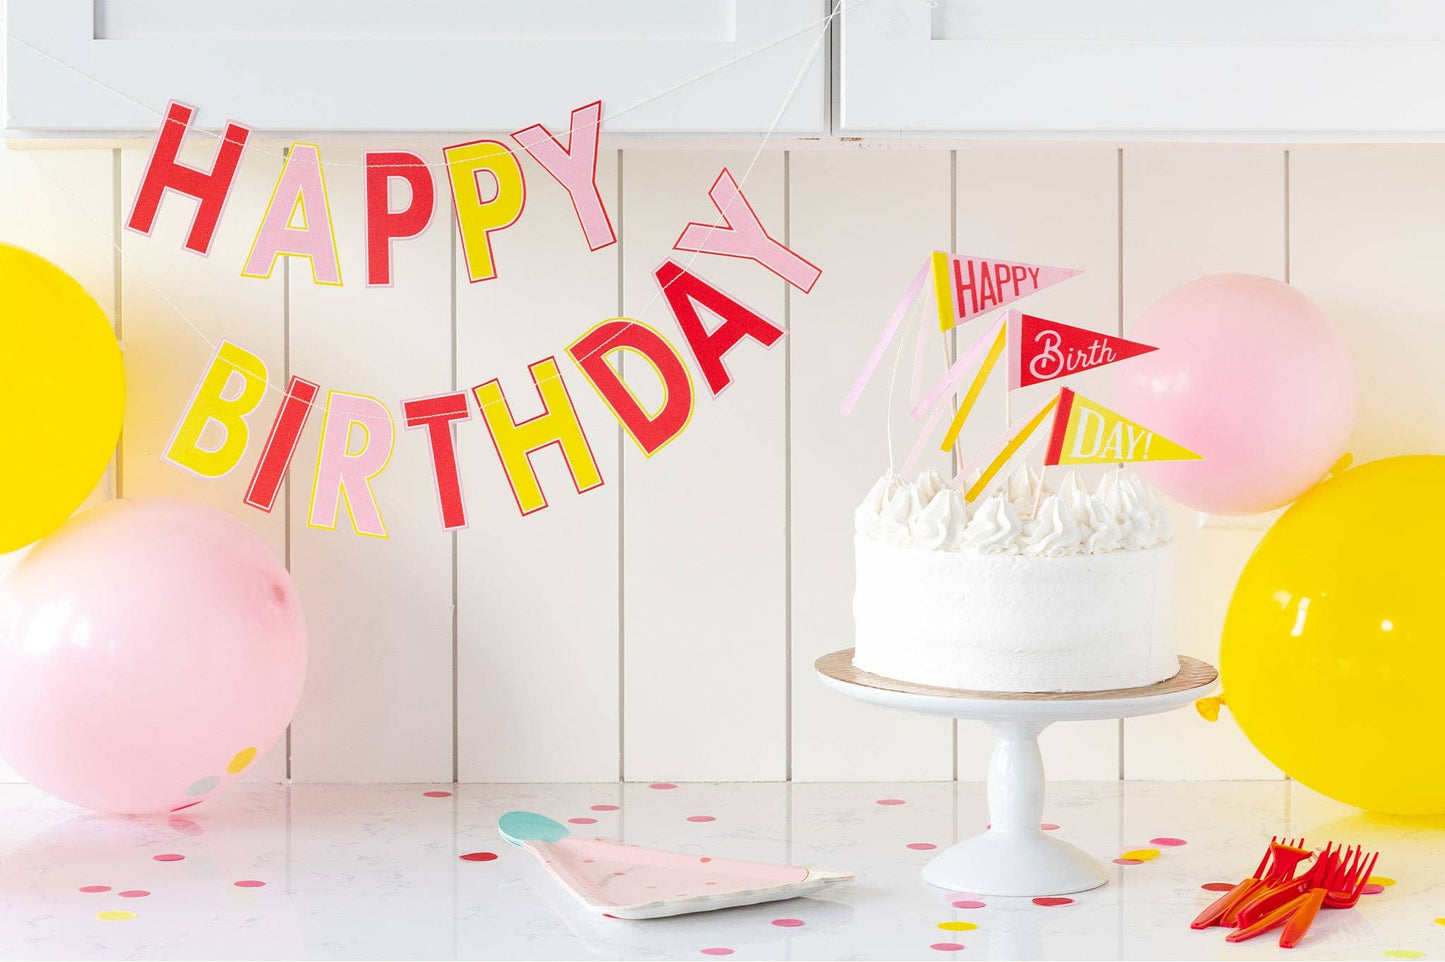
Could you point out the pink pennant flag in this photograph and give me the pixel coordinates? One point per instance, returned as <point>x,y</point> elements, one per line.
<point>890,330</point>
<point>968,286</point>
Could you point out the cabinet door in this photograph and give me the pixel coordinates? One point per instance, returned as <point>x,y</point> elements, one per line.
<point>659,66</point>
<point>1146,69</point>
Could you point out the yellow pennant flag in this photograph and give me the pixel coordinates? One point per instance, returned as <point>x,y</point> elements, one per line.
<point>1086,432</point>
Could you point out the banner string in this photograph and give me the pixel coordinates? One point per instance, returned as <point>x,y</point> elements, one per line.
<point>824,23</point>
<point>604,348</point>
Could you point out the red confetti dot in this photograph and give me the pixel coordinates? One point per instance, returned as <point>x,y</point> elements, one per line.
<point>705,858</point>
<point>249,883</point>
<point>921,846</point>
<point>890,801</point>
<point>717,951</point>
<point>1128,861</point>
<point>169,857</point>
<point>133,894</point>
<point>95,888</point>
<point>1217,886</point>
<point>968,904</point>
<point>583,821</point>
<point>1372,889</point>
<point>604,808</point>
<point>701,818</point>
<point>437,794</point>
<point>179,808</point>
<point>1167,841</point>
<point>1054,900</point>
<point>661,785</point>
<point>947,946</point>
<point>788,923</point>
<point>607,915</point>
<point>1048,826</point>
<point>478,856</point>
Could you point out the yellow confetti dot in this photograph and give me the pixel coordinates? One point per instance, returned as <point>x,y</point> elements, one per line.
<point>243,758</point>
<point>1380,880</point>
<point>1404,954</point>
<point>114,916</point>
<point>957,926</point>
<point>1142,854</point>
<point>1440,921</point>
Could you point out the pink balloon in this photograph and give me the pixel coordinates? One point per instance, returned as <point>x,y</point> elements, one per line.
<point>149,652</point>
<point>1251,375</point>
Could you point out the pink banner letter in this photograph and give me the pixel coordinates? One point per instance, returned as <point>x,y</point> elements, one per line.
<point>743,236</point>
<point>575,168</point>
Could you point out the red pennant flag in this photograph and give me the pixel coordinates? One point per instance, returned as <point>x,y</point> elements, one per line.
<point>1042,350</point>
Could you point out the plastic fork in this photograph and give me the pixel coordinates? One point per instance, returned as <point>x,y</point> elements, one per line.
<point>1268,897</point>
<point>1284,855</point>
<point>1342,891</point>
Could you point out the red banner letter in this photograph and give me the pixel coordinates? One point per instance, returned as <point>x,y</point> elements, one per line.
<point>164,172</point>
<point>591,352</point>
<point>436,414</point>
<point>384,224</point>
<point>281,443</point>
<point>709,347</point>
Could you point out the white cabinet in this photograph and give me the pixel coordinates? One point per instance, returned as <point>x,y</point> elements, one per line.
<point>1145,69</point>
<point>659,66</point>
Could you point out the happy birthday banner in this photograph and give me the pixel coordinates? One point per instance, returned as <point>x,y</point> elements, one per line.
<point>297,222</point>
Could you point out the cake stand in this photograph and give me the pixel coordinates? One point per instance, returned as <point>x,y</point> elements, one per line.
<point>1014,856</point>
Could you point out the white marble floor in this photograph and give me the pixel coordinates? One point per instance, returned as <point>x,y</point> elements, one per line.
<point>374,872</point>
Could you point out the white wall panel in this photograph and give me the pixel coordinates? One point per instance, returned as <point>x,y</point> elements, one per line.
<point>869,219</point>
<point>378,702</point>
<point>703,520</point>
<point>537,596</point>
<point>1188,212</point>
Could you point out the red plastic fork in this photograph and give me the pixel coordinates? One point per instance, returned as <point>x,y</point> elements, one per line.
<point>1281,874</point>
<point>1267,898</point>
<point>1341,891</point>
<point>1286,855</point>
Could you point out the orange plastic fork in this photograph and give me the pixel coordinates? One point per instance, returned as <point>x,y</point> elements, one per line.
<point>1341,892</point>
<point>1268,897</point>
<point>1286,855</point>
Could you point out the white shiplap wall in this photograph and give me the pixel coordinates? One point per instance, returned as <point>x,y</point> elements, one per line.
<point>664,626</point>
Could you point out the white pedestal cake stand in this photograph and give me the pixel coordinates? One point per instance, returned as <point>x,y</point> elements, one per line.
<point>1015,857</point>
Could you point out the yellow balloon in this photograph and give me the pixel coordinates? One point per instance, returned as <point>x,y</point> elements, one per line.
<point>1333,653</point>
<point>62,395</point>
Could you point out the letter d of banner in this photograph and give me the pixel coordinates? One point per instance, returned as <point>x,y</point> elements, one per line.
<point>1086,432</point>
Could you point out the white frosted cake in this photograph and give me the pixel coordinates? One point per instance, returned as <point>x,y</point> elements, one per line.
<point>1026,590</point>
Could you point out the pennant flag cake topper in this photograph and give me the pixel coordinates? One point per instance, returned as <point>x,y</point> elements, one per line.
<point>1086,432</point>
<point>969,286</point>
<point>1042,350</point>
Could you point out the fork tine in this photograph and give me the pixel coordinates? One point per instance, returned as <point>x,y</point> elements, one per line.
<point>1268,850</point>
<point>1364,878</point>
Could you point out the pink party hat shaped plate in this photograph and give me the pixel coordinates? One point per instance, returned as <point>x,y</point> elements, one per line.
<point>633,882</point>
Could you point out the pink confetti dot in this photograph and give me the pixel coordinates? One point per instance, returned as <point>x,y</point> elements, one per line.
<point>133,894</point>
<point>1217,886</point>
<point>1372,889</point>
<point>788,923</point>
<point>168,857</point>
<point>95,888</point>
<point>1167,841</point>
<point>701,818</point>
<point>664,785</point>
<point>717,951</point>
<point>436,794</point>
<point>968,904</point>
<point>1048,826</point>
<point>249,883</point>
<point>604,808</point>
<point>891,801</point>
<point>583,821</point>
<point>947,946</point>
<point>478,856</point>
<point>1128,861</point>
<point>1054,900</point>
<point>186,827</point>
<point>921,846</point>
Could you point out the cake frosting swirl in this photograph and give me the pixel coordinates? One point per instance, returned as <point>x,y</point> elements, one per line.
<point>1023,516</point>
